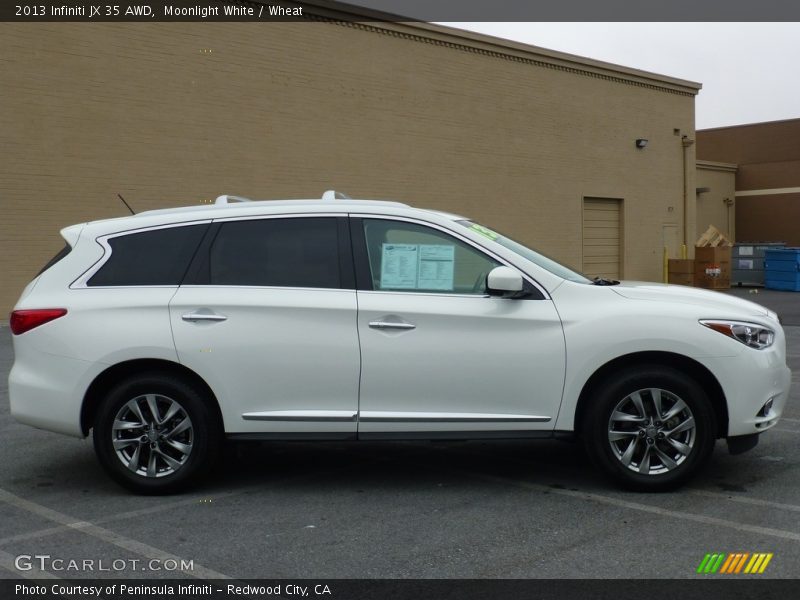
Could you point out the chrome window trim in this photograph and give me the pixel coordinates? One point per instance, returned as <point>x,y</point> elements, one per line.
<point>198,286</point>
<point>435,294</point>
<point>81,282</point>
<point>280,216</point>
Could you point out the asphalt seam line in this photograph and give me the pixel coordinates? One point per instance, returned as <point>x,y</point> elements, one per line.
<point>106,535</point>
<point>109,519</point>
<point>746,500</point>
<point>647,508</point>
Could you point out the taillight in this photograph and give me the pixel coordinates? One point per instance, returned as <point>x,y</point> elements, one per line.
<point>25,320</point>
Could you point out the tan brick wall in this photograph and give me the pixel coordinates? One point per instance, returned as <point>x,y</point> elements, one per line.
<point>172,114</point>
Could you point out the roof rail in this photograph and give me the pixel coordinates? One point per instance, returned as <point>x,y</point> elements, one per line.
<point>334,195</point>
<point>227,199</point>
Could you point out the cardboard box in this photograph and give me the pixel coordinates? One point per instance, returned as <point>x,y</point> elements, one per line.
<point>712,267</point>
<point>681,271</point>
<point>681,279</point>
<point>717,283</point>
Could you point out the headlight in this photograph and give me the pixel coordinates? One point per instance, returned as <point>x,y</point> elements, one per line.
<point>750,334</point>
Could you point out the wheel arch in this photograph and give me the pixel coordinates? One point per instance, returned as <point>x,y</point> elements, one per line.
<point>116,373</point>
<point>694,369</point>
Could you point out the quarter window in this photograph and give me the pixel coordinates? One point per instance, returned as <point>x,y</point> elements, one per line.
<point>61,254</point>
<point>281,252</point>
<point>156,257</point>
<point>409,257</point>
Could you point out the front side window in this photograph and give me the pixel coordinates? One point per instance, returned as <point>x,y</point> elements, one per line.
<point>535,257</point>
<point>283,252</point>
<point>155,257</point>
<point>409,257</point>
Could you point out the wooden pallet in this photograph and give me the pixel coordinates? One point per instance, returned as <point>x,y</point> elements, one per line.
<point>713,237</point>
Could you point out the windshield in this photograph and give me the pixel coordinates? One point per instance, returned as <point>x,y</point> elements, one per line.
<point>535,257</point>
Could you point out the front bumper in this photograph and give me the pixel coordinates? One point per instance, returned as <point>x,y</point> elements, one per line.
<point>739,444</point>
<point>748,381</point>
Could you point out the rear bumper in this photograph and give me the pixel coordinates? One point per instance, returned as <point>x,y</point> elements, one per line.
<point>47,392</point>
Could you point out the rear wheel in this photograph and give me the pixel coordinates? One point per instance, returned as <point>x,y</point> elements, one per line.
<point>651,428</point>
<point>156,434</point>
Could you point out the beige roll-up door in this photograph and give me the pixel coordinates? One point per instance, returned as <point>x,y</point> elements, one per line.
<point>602,237</point>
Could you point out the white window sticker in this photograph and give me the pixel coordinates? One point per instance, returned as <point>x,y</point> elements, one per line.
<point>417,266</point>
<point>436,267</point>
<point>746,264</point>
<point>745,251</point>
<point>399,266</point>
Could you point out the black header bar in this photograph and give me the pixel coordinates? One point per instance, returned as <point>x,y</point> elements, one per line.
<point>711,587</point>
<point>400,10</point>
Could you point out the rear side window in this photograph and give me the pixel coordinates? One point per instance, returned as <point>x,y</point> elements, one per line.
<point>284,252</point>
<point>61,254</point>
<point>157,257</point>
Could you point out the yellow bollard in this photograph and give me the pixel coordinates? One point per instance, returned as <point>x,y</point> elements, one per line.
<point>666,265</point>
<point>683,251</point>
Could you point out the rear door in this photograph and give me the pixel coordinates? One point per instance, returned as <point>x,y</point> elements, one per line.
<point>267,316</point>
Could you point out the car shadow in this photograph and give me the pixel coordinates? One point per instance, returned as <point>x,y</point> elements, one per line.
<point>387,466</point>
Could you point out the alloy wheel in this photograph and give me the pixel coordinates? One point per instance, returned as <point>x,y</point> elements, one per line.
<point>152,435</point>
<point>652,431</point>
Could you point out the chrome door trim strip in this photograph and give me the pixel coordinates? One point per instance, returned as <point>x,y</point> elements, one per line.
<point>327,416</point>
<point>415,417</point>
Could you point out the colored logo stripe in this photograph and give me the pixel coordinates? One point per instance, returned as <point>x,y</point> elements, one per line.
<point>710,563</point>
<point>758,563</point>
<point>727,564</point>
<point>735,563</point>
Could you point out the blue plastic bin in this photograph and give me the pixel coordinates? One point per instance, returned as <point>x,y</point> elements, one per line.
<point>782,269</point>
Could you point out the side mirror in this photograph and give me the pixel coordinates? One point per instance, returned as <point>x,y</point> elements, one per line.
<point>504,281</point>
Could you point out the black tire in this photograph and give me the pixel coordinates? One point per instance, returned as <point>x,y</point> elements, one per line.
<point>178,461</point>
<point>608,440</point>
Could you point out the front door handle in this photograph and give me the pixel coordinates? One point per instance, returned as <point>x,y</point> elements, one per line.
<point>391,325</point>
<point>194,317</point>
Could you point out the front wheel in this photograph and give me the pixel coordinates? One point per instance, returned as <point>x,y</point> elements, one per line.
<point>651,428</point>
<point>155,434</point>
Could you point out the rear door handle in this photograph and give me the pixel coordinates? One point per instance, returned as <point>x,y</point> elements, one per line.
<point>391,325</point>
<point>197,316</point>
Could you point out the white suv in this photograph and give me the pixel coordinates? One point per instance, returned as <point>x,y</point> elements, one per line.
<point>339,319</point>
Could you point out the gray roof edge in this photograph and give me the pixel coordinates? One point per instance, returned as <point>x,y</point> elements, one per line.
<point>713,165</point>
<point>333,10</point>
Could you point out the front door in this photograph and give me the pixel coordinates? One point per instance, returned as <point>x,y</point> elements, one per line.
<point>438,354</point>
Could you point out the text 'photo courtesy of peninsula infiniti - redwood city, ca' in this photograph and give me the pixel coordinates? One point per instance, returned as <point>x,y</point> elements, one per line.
<point>166,332</point>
